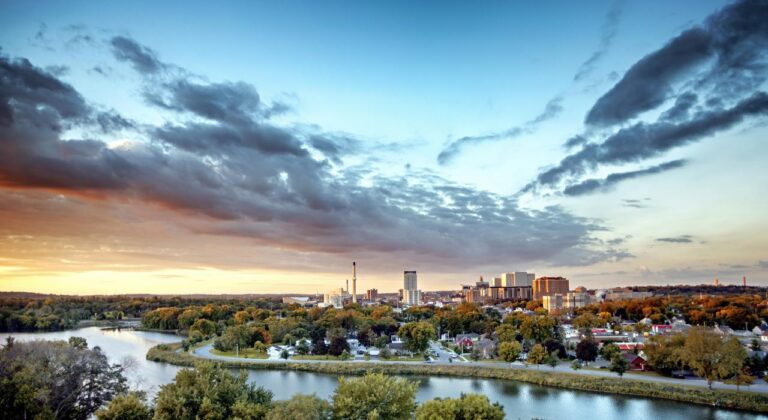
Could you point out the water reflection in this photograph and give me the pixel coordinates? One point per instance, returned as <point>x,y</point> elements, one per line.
<point>519,400</point>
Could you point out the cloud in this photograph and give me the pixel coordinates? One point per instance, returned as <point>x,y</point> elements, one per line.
<point>610,26</point>
<point>222,162</point>
<point>552,109</point>
<point>143,59</point>
<point>727,51</point>
<point>646,140</point>
<point>683,239</point>
<point>762,264</point>
<point>634,203</point>
<point>592,185</point>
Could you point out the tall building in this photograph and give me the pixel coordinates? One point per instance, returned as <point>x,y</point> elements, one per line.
<point>552,303</point>
<point>548,286</point>
<point>411,292</point>
<point>371,295</point>
<point>517,279</point>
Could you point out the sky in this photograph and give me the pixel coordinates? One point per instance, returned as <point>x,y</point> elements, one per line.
<point>261,147</point>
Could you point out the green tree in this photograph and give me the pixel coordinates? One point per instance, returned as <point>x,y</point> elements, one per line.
<point>129,406</point>
<point>284,354</point>
<point>576,365</point>
<point>537,328</point>
<point>374,396</point>
<point>586,350</point>
<point>471,406</point>
<point>609,351</point>
<point>665,353</point>
<point>417,335</point>
<point>537,355</point>
<point>619,364</point>
<point>506,333</point>
<point>711,358</point>
<point>208,391</point>
<point>552,360</point>
<point>301,407</point>
<point>509,351</point>
<point>54,379</point>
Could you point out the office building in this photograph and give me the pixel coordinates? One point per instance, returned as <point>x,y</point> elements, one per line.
<point>548,286</point>
<point>371,295</point>
<point>553,303</point>
<point>411,292</point>
<point>517,279</point>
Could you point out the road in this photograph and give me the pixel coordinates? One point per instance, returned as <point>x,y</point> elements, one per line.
<point>444,359</point>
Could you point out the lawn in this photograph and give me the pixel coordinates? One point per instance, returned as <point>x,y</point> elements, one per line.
<point>245,354</point>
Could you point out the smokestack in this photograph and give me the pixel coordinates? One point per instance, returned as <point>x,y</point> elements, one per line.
<point>744,281</point>
<point>354,282</point>
<point>347,288</point>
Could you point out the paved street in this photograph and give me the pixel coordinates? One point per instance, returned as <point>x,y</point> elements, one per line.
<point>444,356</point>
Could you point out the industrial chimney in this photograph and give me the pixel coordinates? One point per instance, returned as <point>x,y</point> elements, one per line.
<point>354,282</point>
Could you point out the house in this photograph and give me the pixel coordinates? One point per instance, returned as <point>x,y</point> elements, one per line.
<point>486,347</point>
<point>659,329</point>
<point>723,330</point>
<point>764,337</point>
<point>466,340</point>
<point>630,346</point>
<point>635,362</point>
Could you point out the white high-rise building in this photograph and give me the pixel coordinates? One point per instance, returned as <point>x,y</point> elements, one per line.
<point>411,292</point>
<point>518,279</point>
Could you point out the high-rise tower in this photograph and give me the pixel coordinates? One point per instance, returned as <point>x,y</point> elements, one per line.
<point>354,282</point>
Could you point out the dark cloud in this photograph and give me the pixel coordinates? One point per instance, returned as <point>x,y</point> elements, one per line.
<point>727,53</point>
<point>574,141</point>
<point>592,185</point>
<point>552,109</point>
<point>255,180</point>
<point>647,140</point>
<point>683,239</point>
<point>610,26</point>
<point>143,59</point>
<point>680,111</point>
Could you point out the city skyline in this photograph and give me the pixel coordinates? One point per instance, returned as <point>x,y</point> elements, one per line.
<point>261,147</point>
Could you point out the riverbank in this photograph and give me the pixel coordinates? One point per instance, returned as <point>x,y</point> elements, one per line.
<point>736,400</point>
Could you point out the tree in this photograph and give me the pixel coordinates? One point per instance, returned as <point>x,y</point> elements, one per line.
<point>302,347</point>
<point>374,396</point>
<point>211,392</point>
<point>586,351</point>
<point>509,351</point>
<point>537,328</point>
<point>742,378</point>
<point>204,326</point>
<point>284,354</point>
<point>537,355</point>
<point>129,406</point>
<point>619,364</point>
<point>609,351</point>
<point>664,353</point>
<point>552,360</point>
<point>576,365</point>
<point>506,333</point>
<point>417,335</point>
<point>709,357</point>
<point>338,345</point>
<point>301,407</point>
<point>54,379</point>
<point>471,406</point>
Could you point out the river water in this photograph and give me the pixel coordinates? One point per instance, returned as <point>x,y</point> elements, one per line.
<point>520,400</point>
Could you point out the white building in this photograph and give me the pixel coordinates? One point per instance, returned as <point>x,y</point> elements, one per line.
<point>411,292</point>
<point>517,279</point>
<point>336,298</point>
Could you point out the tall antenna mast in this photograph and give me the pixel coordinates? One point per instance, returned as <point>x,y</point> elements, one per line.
<point>354,282</point>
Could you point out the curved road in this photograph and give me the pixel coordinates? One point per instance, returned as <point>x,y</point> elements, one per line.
<point>443,359</point>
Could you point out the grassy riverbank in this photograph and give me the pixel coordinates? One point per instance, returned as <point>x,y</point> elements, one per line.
<point>738,400</point>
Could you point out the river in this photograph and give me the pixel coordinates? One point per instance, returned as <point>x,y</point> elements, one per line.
<point>520,400</point>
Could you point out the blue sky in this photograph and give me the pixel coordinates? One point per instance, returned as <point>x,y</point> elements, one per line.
<point>404,81</point>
